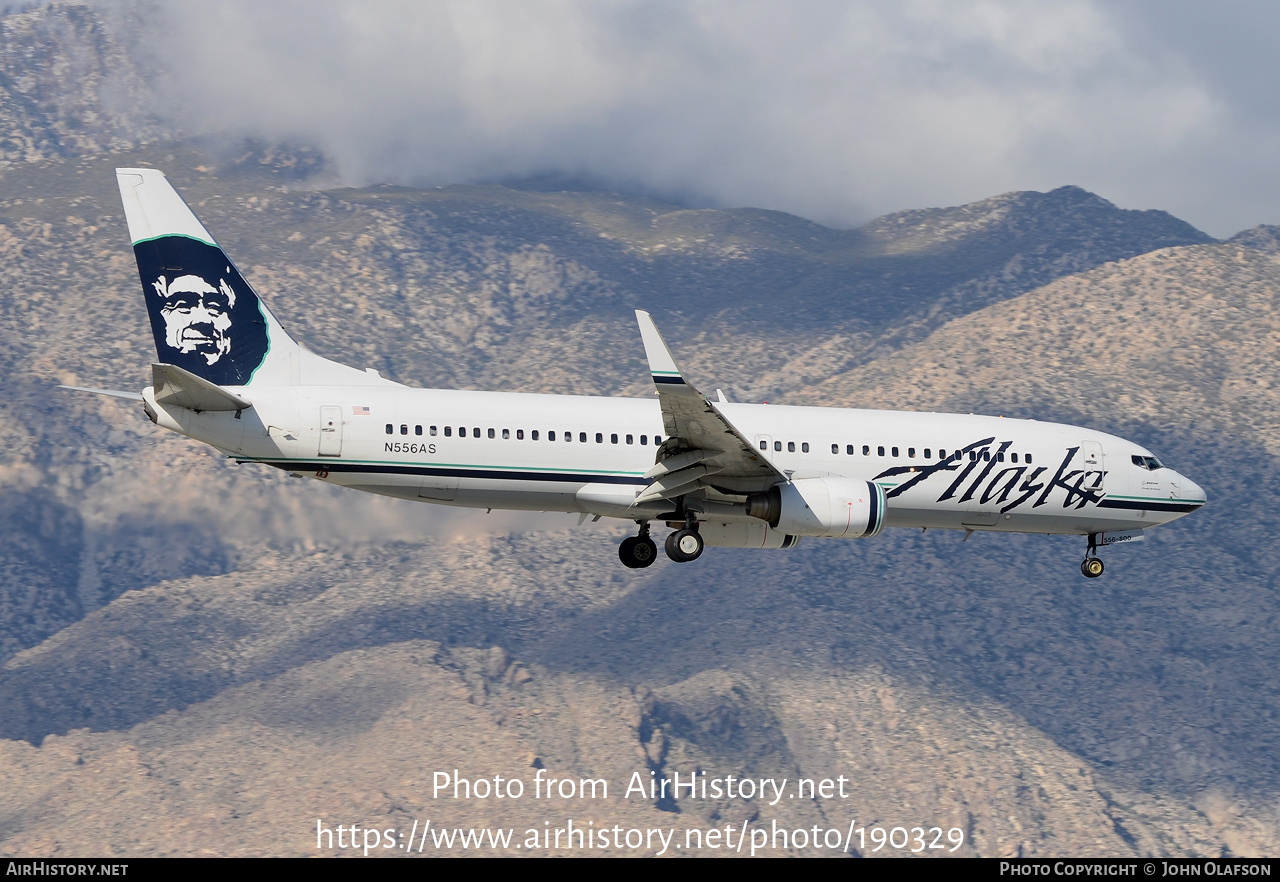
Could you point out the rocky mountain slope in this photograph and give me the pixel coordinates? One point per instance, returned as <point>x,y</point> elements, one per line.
<point>224,655</point>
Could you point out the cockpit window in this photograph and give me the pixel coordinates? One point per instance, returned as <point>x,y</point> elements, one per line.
<point>1150,463</point>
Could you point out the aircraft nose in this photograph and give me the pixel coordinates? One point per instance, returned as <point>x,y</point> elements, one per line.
<point>1189,490</point>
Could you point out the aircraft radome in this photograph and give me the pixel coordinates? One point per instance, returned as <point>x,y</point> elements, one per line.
<point>717,473</point>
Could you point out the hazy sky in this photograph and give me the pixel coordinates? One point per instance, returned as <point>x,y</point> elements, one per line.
<point>837,111</point>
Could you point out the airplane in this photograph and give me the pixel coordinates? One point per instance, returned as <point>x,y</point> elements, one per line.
<point>717,473</point>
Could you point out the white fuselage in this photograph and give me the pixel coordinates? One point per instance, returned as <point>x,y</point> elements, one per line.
<point>589,454</point>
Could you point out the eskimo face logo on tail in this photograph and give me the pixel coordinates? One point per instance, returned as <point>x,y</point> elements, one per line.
<point>197,316</point>
<point>204,317</point>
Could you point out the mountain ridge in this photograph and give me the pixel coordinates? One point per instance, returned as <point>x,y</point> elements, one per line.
<point>217,651</point>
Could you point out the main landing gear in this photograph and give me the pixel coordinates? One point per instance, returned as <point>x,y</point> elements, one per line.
<point>685,544</point>
<point>638,552</point>
<point>682,546</point>
<point>1091,566</point>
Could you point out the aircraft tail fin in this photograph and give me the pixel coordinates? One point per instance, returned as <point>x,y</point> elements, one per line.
<point>206,319</point>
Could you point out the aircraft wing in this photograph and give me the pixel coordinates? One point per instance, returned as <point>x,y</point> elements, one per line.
<point>702,444</point>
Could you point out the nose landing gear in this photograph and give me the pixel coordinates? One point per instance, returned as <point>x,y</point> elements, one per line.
<point>638,552</point>
<point>1091,566</point>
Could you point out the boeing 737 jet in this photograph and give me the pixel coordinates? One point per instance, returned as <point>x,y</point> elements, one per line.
<point>717,473</point>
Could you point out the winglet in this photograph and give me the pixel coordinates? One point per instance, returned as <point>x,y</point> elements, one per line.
<point>661,362</point>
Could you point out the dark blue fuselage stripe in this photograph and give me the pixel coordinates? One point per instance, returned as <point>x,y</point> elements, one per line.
<point>1149,505</point>
<point>433,471</point>
<point>675,381</point>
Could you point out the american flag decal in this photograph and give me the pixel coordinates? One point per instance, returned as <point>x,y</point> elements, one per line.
<point>359,411</point>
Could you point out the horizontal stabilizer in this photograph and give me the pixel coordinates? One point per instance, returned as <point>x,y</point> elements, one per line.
<point>114,393</point>
<point>181,388</point>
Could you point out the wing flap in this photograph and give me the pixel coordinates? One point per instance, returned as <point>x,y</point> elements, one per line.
<point>672,484</point>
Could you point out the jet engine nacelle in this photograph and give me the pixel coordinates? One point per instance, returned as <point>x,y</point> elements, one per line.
<point>737,535</point>
<point>831,507</point>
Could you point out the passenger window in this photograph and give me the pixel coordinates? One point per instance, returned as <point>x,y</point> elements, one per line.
<point>791,447</point>
<point>533,435</point>
<point>1000,456</point>
<point>404,430</point>
<point>391,430</point>
<point>644,440</point>
<point>657,440</point>
<point>506,434</point>
<point>551,436</point>
<point>433,431</point>
<point>448,431</point>
<point>631,439</point>
<point>942,454</point>
<point>848,450</point>
<point>880,450</point>
<point>928,454</point>
<point>1028,459</point>
<point>519,434</point>
<point>599,437</point>
<point>973,456</point>
<point>568,436</point>
<point>764,445</point>
<point>894,451</point>
<point>835,448</point>
<point>866,449</point>
<point>613,439</point>
<point>475,433</point>
<point>777,445</point>
<point>804,448</point>
<point>911,452</point>
<point>1013,457</point>
<point>491,433</point>
<point>417,430</point>
<point>582,437</point>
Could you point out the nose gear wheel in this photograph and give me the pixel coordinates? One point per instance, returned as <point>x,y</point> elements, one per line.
<point>1091,566</point>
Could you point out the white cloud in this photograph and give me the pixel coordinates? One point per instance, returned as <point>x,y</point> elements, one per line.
<point>837,111</point>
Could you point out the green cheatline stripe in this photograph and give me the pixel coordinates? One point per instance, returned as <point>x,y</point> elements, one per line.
<point>1147,498</point>
<point>665,373</point>
<point>208,242</point>
<point>458,465</point>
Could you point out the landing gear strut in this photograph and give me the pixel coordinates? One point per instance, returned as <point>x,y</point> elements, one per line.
<point>685,544</point>
<point>638,552</point>
<point>1091,566</point>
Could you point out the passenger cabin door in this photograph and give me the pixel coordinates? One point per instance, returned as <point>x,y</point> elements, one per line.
<point>330,431</point>
<point>1091,460</point>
